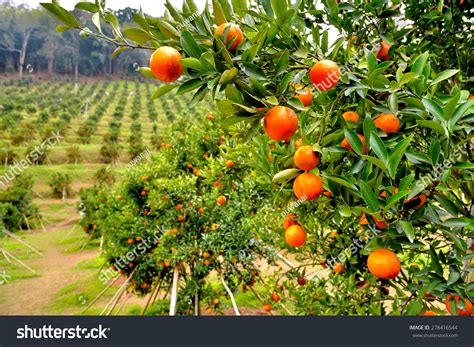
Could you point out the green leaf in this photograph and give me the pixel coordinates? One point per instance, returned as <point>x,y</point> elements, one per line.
<point>190,85</point>
<point>406,228</point>
<point>218,11</point>
<point>393,103</point>
<point>435,264</point>
<point>434,125</point>
<point>397,154</point>
<point>414,308</point>
<point>253,71</point>
<point>369,196</point>
<point>454,276</point>
<point>459,223</point>
<point>341,180</point>
<point>447,204</point>
<point>146,71</point>
<point>61,14</point>
<point>443,75</point>
<point>240,7</point>
<point>371,60</point>
<point>87,6</point>
<point>228,76</point>
<point>354,140</point>
<point>285,175</point>
<point>434,108</point>
<point>96,21</point>
<point>162,90</point>
<point>137,34</point>
<point>379,148</point>
<point>199,95</point>
<point>166,28</point>
<point>190,45</point>
<point>420,62</point>
<point>279,8</point>
<point>368,128</point>
<point>460,111</point>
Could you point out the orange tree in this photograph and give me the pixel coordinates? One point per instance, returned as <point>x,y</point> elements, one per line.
<point>391,135</point>
<point>183,215</point>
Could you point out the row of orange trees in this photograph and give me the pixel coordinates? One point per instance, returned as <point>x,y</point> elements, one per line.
<point>365,141</point>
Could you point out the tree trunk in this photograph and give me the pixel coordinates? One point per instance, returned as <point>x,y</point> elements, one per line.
<point>50,65</point>
<point>21,61</point>
<point>76,71</point>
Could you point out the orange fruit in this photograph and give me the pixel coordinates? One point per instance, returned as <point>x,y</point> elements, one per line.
<point>280,123</point>
<point>229,164</point>
<point>345,143</point>
<point>379,223</point>
<point>234,31</point>
<point>215,301</point>
<point>206,255</point>
<point>308,185</point>
<point>467,311</point>
<point>298,143</point>
<point>327,193</point>
<point>216,184</point>
<point>138,238</point>
<point>295,236</point>
<point>144,178</point>
<point>301,281</point>
<point>305,158</point>
<point>180,218</point>
<point>179,207</point>
<point>221,200</point>
<point>267,307</point>
<point>143,193</point>
<point>210,116</point>
<point>209,310</point>
<point>338,267</point>
<point>164,64</point>
<point>383,263</point>
<point>350,116</point>
<point>305,98</point>
<point>275,297</point>
<point>428,313</point>
<point>201,210</point>
<point>130,241</point>
<point>325,74</point>
<point>383,52</point>
<point>289,221</point>
<point>416,202</point>
<point>207,262</point>
<point>387,122</point>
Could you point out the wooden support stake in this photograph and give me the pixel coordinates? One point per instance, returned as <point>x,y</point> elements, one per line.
<point>174,291</point>
<point>234,304</point>
<point>23,242</point>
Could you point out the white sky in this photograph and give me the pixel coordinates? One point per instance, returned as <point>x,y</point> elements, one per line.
<point>152,7</point>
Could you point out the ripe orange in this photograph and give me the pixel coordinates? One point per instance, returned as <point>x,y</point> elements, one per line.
<point>164,64</point>
<point>428,313</point>
<point>467,311</point>
<point>379,223</point>
<point>144,178</point>
<point>325,74</point>
<point>143,193</point>
<point>215,301</point>
<point>383,52</point>
<point>267,307</point>
<point>221,200</point>
<point>350,116</point>
<point>275,297</point>
<point>209,310</point>
<point>234,31</point>
<point>383,263</point>
<point>305,98</point>
<point>301,281</point>
<point>345,143</point>
<point>130,241</point>
<point>295,236</point>
<point>305,158</point>
<point>416,202</point>
<point>216,184</point>
<point>387,122</point>
<point>206,255</point>
<point>229,164</point>
<point>180,218</point>
<point>308,185</point>
<point>289,221</point>
<point>138,238</point>
<point>210,116</point>
<point>201,210</point>
<point>338,267</point>
<point>207,262</point>
<point>179,207</point>
<point>280,123</point>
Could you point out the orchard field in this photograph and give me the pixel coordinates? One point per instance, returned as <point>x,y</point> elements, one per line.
<point>273,157</point>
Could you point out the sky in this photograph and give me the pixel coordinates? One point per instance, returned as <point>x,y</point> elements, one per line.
<point>151,7</point>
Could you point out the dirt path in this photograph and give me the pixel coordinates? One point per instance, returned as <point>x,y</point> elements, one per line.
<point>56,269</point>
